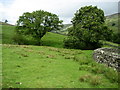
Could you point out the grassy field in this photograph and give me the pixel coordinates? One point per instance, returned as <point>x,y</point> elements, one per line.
<point>48,67</point>
<point>51,66</point>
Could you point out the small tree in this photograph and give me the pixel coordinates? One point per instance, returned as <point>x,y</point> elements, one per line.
<point>88,28</point>
<point>37,24</point>
<point>6,21</point>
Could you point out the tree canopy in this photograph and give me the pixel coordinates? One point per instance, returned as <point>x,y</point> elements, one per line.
<point>88,28</point>
<point>38,23</point>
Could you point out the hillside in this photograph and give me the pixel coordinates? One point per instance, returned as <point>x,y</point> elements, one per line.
<point>112,22</point>
<point>50,39</point>
<point>7,32</point>
<point>2,23</point>
<point>63,30</point>
<point>51,66</point>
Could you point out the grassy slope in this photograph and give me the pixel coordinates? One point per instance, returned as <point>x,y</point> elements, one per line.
<point>7,33</point>
<point>43,66</point>
<point>54,40</point>
<point>48,67</point>
<point>113,19</point>
<point>0,57</point>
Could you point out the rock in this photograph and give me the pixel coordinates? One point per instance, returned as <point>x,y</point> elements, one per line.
<point>108,56</point>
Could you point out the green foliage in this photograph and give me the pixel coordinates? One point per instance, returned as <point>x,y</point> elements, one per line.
<point>24,39</point>
<point>88,28</point>
<point>116,38</point>
<point>19,39</point>
<point>38,23</point>
<point>6,21</point>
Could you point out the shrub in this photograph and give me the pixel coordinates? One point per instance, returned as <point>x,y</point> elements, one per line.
<point>82,62</point>
<point>71,42</point>
<point>113,24</point>
<point>24,40</point>
<point>116,38</point>
<point>19,39</point>
<point>95,81</point>
<point>112,75</point>
<point>98,69</point>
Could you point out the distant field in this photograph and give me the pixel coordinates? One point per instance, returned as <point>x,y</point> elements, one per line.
<point>112,22</point>
<point>7,33</point>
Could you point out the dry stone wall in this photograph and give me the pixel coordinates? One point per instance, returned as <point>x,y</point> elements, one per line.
<point>108,56</point>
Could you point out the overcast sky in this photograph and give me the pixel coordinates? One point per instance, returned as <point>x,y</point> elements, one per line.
<point>65,9</point>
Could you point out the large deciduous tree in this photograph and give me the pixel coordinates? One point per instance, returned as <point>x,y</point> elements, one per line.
<point>38,23</point>
<point>88,28</point>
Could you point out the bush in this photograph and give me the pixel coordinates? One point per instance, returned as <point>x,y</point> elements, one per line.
<point>19,39</point>
<point>98,69</point>
<point>116,38</point>
<point>112,75</point>
<point>24,40</point>
<point>74,42</point>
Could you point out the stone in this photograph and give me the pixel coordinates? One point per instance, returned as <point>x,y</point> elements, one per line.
<point>108,56</point>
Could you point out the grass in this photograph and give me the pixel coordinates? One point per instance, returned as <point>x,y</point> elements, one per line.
<point>54,40</point>
<point>51,66</point>
<point>50,39</point>
<point>113,19</point>
<point>108,44</point>
<point>7,33</point>
<point>46,67</point>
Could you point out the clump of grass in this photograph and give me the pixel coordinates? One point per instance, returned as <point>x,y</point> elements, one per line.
<point>84,61</point>
<point>29,50</point>
<point>99,69</point>
<point>95,81</point>
<point>69,57</point>
<point>76,58</point>
<point>24,55</point>
<point>50,56</point>
<point>85,67</point>
<point>112,75</point>
<point>109,73</point>
<point>85,78</point>
<point>41,52</point>
<point>53,49</point>
<point>79,52</point>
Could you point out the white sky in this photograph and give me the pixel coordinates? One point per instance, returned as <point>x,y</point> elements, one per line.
<point>65,9</point>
